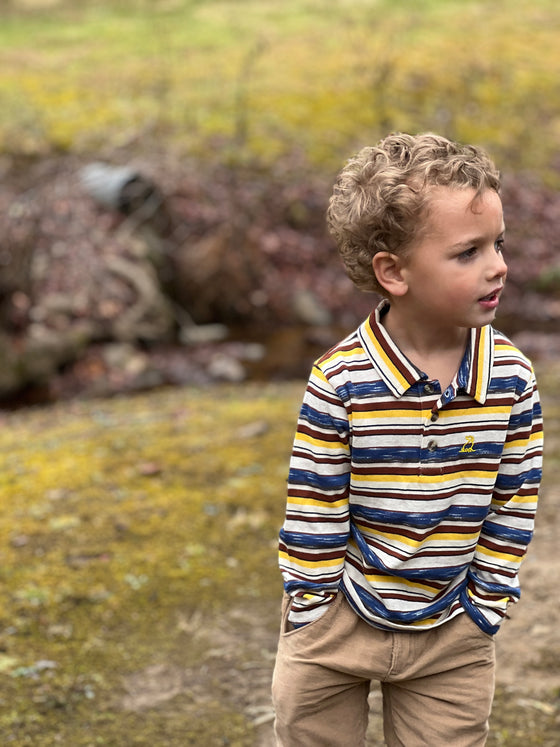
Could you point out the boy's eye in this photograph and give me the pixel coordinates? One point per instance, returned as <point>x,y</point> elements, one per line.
<point>499,245</point>
<point>468,254</point>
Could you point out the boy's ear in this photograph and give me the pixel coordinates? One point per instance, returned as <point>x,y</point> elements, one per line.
<point>388,271</point>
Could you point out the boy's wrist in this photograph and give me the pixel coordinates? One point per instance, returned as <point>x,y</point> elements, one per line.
<point>488,619</point>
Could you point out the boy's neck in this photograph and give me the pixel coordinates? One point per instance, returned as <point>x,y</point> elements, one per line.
<point>437,351</point>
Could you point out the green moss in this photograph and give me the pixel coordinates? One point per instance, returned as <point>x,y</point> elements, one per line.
<point>120,520</point>
<point>524,722</point>
<point>103,74</point>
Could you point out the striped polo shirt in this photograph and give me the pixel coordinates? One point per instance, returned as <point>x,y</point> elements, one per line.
<point>417,503</point>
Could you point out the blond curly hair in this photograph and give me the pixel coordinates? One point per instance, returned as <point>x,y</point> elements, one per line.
<point>381,197</point>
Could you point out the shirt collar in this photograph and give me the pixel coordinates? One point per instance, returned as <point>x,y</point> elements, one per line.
<point>399,373</point>
<point>476,369</point>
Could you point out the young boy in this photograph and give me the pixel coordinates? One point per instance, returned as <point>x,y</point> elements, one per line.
<point>416,464</point>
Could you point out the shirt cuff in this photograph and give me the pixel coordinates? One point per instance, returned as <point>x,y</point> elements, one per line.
<point>306,608</point>
<point>487,616</point>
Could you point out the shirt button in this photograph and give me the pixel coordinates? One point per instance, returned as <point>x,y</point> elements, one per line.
<point>429,388</point>
<point>432,445</point>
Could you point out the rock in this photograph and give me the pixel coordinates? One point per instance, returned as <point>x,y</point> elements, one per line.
<point>223,367</point>
<point>309,310</point>
<point>107,184</point>
<point>195,334</point>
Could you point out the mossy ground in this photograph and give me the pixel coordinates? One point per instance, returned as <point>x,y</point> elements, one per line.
<point>139,590</point>
<point>259,79</point>
<point>131,529</point>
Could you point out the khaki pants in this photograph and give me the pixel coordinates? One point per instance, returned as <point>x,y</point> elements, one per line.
<point>437,684</point>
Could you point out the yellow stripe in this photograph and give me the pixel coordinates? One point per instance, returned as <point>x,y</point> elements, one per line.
<point>481,363</point>
<point>525,499</point>
<point>388,362</point>
<point>503,600</point>
<point>521,500</point>
<point>462,470</point>
<point>499,555</point>
<point>320,562</point>
<point>404,415</point>
<point>358,350</point>
<point>474,416</point>
<point>388,582</point>
<point>319,442</point>
<point>522,442</point>
<point>367,532</point>
<point>295,501</point>
<point>425,623</point>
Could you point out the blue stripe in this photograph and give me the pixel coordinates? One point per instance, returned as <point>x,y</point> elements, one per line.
<point>311,541</point>
<point>452,454</point>
<point>323,420</point>
<point>514,482</point>
<point>313,480</point>
<point>537,411</point>
<point>471,514</point>
<point>523,420</point>
<point>464,370</point>
<point>519,536</point>
<point>350,390</point>
<point>505,384</point>
<point>476,615</point>
<point>320,589</point>
<point>377,608</point>
<point>387,454</point>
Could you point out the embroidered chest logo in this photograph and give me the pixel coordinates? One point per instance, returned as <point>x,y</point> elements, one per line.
<point>468,445</point>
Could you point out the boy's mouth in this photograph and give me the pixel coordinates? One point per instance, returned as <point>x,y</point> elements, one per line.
<point>492,299</point>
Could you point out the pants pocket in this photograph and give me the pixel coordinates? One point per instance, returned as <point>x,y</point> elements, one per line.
<point>287,630</point>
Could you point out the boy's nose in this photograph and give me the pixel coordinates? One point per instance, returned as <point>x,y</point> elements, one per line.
<point>499,267</point>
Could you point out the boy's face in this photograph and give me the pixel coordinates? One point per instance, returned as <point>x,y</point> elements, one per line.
<point>455,272</point>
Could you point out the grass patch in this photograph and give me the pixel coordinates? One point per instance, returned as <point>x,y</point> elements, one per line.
<point>268,78</point>
<point>524,722</point>
<point>121,520</point>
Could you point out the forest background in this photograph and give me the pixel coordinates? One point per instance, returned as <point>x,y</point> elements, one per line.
<point>138,583</point>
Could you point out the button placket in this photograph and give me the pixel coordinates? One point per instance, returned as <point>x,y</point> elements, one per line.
<point>429,437</point>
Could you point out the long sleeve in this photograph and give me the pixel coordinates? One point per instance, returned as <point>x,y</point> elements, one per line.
<point>315,533</point>
<point>508,527</point>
